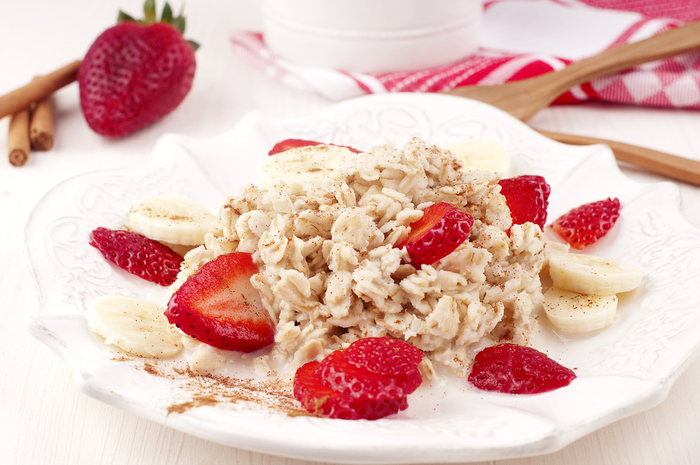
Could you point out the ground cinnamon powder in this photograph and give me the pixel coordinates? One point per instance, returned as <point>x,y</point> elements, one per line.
<point>275,395</point>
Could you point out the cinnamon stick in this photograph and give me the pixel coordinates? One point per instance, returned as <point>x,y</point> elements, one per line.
<point>18,138</point>
<point>41,125</point>
<point>38,89</point>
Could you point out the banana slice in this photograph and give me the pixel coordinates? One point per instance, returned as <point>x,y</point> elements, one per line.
<point>303,164</point>
<point>203,358</point>
<point>591,275</point>
<point>577,313</point>
<point>135,326</point>
<point>172,220</point>
<point>481,154</point>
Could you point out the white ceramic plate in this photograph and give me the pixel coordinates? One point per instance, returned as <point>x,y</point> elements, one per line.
<point>622,370</point>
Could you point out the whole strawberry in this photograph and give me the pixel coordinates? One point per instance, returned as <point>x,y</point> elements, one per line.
<point>136,72</point>
<point>584,225</point>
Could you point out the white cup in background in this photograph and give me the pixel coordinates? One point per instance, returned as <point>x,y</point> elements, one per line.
<point>375,36</point>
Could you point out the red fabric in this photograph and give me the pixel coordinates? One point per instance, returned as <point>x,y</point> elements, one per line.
<point>682,10</point>
<point>673,82</point>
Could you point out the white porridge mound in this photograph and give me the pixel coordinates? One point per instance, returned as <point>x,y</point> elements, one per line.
<point>330,274</point>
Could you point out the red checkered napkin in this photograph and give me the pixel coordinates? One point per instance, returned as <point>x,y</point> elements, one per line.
<point>525,38</point>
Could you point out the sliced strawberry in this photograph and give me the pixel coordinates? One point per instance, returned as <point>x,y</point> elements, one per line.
<point>138,255</point>
<point>384,356</point>
<point>358,382</point>
<point>584,225</point>
<point>289,144</point>
<point>527,198</point>
<point>339,374</point>
<point>441,229</point>
<point>219,306</point>
<point>328,403</point>
<point>515,369</point>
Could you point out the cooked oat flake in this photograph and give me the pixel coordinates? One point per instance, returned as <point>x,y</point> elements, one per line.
<point>330,274</point>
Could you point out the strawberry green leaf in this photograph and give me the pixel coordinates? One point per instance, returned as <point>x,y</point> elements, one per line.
<point>125,17</point>
<point>179,23</point>
<point>167,15</point>
<point>149,11</point>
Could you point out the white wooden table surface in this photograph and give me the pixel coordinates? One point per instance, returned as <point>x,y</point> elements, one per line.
<point>44,419</point>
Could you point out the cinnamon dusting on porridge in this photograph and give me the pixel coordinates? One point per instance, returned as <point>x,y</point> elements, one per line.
<point>347,279</point>
<point>330,273</point>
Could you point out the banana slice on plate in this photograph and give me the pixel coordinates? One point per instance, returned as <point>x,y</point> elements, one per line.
<point>135,326</point>
<point>172,220</point>
<point>303,164</point>
<point>592,275</point>
<point>481,154</point>
<point>577,313</point>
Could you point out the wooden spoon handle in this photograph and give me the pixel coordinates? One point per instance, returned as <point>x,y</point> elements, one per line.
<point>39,88</point>
<point>673,42</point>
<point>680,168</point>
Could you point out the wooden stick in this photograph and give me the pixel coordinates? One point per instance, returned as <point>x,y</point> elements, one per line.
<point>38,89</point>
<point>18,138</point>
<point>41,125</point>
<point>683,169</point>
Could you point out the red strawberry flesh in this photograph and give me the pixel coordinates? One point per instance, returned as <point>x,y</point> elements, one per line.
<point>289,144</point>
<point>384,356</point>
<point>358,382</point>
<point>441,229</point>
<point>328,403</point>
<point>133,75</point>
<point>586,224</point>
<point>219,306</point>
<point>337,373</point>
<point>527,198</point>
<point>138,255</point>
<point>514,369</point>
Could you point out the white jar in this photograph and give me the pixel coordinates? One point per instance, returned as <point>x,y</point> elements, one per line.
<point>374,36</point>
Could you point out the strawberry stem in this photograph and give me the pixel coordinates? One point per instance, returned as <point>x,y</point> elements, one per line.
<point>149,11</point>
<point>150,17</point>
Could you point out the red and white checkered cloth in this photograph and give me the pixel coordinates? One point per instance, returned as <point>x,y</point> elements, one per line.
<point>525,38</point>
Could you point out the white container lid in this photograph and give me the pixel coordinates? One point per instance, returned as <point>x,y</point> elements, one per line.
<point>376,36</point>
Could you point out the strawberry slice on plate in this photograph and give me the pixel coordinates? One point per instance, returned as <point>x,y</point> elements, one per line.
<point>514,369</point>
<point>219,306</point>
<point>527,198</point>
<point>586,224</point>
<point>441,229</point>
<point>337,372</point>
<point>137,254</point>
<point>325,402</point>
<point>384,356</point>
<point>370,379</point>
<point>289,144</point>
